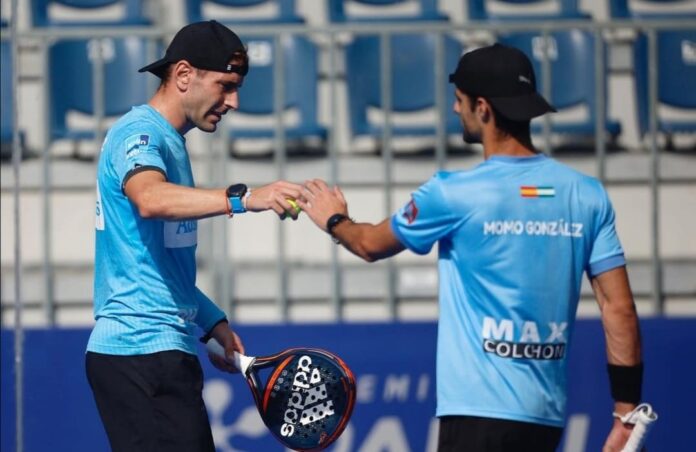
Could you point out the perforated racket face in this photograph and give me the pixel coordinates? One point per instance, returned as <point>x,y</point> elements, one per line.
<point>308,399</point>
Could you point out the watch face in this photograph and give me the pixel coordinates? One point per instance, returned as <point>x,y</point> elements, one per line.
<point>236,190</point>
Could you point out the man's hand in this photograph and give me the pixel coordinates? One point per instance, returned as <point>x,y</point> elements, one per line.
<point>617,436</point>
<point>230,342</point>
<point>320,202</point>
<point>275,197</point>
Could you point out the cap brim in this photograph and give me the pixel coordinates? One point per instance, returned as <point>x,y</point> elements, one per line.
<point>156,68</point>
<point>521,108</point>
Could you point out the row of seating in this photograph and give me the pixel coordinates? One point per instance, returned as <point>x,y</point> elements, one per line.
<point>571,54</point>
<point>413,82</point>
<point>134,11</point>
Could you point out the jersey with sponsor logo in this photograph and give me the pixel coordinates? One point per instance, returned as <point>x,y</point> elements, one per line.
<point>145,294</point>
<point>515,236</point>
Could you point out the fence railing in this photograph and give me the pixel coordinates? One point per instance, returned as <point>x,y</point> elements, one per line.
<point>331,38</point>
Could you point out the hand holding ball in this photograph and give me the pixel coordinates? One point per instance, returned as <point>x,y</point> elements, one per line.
<point>297,209</point>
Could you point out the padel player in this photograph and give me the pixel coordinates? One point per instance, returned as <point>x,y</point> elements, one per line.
<point>141,358</point>
<point>515,235</point>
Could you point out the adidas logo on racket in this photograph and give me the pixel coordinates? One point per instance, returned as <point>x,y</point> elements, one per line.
<point>307,400</point>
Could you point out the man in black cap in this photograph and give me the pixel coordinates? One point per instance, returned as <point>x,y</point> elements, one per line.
<point>515,235</point>
<point>141,357</point>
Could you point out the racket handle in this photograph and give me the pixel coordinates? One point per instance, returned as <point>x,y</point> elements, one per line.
<point>642,418</point>
<point>241,362</point>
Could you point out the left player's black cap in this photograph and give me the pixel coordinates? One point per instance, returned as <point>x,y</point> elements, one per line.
<point>206,45</point>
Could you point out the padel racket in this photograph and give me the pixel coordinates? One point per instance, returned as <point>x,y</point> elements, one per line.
<point>308,398</point>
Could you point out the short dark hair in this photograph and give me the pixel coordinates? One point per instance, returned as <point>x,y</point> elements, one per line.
<point>238,58</point>
<point>517,129</point>
<point>166,75</point>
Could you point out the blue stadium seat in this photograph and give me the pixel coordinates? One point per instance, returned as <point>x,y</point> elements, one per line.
<point>676,63</point>
<point>625,9</point>
<point>564,9</point>
<point>676,67</point>
<point>413,82</point>
<point>6,97</point>
<point>300,85</point>
<point>70,83</point>
<point>572,73</point>
<point>133,12</point>
<point>284,11</point>
<point>381,11</point>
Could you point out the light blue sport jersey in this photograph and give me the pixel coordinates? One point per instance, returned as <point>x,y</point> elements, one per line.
<point>515,235</point>
<point>145,294</point>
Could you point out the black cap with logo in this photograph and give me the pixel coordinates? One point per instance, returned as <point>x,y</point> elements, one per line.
<point>504,76</point>
<point>206,45</point>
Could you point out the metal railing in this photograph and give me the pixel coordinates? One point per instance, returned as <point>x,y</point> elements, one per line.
<point>224,287</point>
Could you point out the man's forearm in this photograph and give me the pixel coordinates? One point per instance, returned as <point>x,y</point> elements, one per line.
<point>623,341</point>
<point>368,241</point>
<point>169,201</point>
<point>619,317</point>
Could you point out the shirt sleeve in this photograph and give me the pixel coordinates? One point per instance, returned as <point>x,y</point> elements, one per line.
<point>607,252</point>
<point>139,147</point>
<point>425,219</point>
<point>209,314</point>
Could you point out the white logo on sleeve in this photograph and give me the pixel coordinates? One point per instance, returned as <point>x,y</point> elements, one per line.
<point>180,234</point>
<point>99,212</point>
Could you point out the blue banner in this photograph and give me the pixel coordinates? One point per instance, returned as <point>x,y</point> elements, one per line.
<point>394,367</point>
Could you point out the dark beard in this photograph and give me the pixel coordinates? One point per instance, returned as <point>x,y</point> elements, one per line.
<point>470,138</point>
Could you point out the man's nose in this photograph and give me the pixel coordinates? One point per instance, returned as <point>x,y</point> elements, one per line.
<point>232,100</point>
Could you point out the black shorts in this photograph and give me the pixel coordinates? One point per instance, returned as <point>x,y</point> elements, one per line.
<point>480,434</point>
<point>151,402</point>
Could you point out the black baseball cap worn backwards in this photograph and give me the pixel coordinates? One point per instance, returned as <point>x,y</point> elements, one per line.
<point>206,45</point>
<point>505,77</point>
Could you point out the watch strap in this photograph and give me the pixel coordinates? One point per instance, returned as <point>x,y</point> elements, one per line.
<point>333,221</point>
<point>236,204</point>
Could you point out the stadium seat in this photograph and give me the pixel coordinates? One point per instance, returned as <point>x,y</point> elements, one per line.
<point>413,82</point>
<point>241,11</point>
<point>6,97</point>
<point>383,10</point>
<point>676,67</point>
<point>561,9</point>
<point>573,77</point>
<point>300,76</point>
<point>131,12</point>
<point>652,9</point>
<point>71,84</point>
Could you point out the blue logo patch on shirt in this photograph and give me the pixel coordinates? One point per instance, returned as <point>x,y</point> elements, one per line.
<point>136,144</point>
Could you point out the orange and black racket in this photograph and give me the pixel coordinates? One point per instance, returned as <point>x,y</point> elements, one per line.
<point>308,397</point>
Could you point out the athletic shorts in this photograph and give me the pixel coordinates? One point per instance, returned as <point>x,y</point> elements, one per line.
<point>152,402</point>
<point>480,434</point>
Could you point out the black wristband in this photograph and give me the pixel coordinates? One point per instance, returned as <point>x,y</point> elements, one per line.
<point>626,382</point>
<point>333,221</point>
<point>208,335</point>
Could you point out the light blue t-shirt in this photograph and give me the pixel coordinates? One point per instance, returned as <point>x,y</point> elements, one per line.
<point>515,236</point>
<point>145,294</point>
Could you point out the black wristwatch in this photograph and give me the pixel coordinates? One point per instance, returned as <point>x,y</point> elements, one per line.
<point>333,221</point>
<point>235,194</point>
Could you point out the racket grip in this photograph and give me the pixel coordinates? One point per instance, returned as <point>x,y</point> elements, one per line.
<point>642,417</point>
<point>241,362</point>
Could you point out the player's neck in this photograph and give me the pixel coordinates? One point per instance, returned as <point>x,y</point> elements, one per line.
<point>496,143</point>
<point>171,111</point>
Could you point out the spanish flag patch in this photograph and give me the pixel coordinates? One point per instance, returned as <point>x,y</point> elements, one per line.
<point>527,191</point>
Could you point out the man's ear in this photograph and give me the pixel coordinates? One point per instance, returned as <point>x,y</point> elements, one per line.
<point>182,73</point>
<point>483,109</point>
